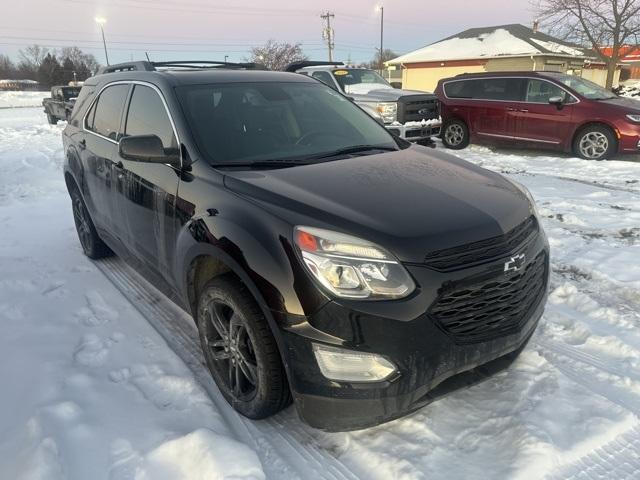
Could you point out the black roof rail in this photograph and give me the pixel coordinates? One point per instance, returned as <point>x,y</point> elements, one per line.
<point>145,66</point>
<point>209,64</point>
<point>127,67</point>
<point>292,67</point>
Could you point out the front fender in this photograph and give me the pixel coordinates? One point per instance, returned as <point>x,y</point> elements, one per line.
<point>257,247</point>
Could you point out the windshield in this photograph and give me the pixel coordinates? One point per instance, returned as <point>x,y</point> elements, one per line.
<point>587,89</point>
<point>70,92</point>
<point>359,81</point>
<point>261,122</point>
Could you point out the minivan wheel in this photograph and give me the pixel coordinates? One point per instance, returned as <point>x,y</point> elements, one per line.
<point>240,349</point>
<point>595,142</point>
<point>91,243</point>
<point>455,134</point>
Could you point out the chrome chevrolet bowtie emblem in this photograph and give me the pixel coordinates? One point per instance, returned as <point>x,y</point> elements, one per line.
<point>515,264</point>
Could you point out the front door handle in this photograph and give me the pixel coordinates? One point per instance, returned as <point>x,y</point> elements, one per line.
<point>524,110</point>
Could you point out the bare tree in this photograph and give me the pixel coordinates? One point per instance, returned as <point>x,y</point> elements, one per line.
<point>31,57</point>
<point>7,68</point>
<point>378,60</point>
<point>596,23</point>
<point>276,56</point>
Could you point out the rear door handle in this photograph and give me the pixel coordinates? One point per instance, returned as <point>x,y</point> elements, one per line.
<point>524,110</point>
<point>509,109</point>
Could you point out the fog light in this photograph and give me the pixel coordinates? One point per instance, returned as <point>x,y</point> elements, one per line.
<point>351,366</point>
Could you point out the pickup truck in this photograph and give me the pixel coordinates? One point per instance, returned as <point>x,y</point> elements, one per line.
<point>409,114</point>
<point>60,105</point>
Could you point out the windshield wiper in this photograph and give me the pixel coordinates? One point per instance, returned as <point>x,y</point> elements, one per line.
<point>354,149</point>
<point>261,164</point>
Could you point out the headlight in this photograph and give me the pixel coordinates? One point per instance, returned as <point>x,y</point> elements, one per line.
<point>388,111</point>
<point>349,267</point>
<point>634,117</point>
<point>527,194</point>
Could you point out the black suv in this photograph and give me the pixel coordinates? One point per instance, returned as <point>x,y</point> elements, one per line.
<point>322,259</point>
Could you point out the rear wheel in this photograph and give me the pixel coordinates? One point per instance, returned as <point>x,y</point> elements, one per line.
<point>240,349</point>
<point>455,134</point>
<point>92,244</point>
<point>595,142</point>
<point>51,119</point>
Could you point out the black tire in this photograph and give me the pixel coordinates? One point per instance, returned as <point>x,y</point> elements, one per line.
<point>51,119</point>
<point>455,134</point>
<point>249,353</point>
<point>595,142</point>
<point>91,243</point>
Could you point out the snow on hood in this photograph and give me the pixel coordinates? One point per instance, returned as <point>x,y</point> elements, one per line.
<point>365,88</point>
<point>498,42</point>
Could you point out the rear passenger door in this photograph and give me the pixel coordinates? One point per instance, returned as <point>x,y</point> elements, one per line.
<point>99,147</point>
<point>541,122</point>
<point>147,191</point>
<point>497,106</point>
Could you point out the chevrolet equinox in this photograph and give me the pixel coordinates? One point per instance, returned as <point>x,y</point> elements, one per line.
<point>325,261</point>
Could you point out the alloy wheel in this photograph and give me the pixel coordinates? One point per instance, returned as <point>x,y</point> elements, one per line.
<point>454,134</point>
<point>230,350</point>
<point>81,220</point>
<point>594,145</point>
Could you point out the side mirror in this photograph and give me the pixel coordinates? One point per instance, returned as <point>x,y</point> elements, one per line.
<point>557,101</point>
<point>147,148</point>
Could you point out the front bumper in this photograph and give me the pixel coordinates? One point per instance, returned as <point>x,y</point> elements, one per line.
<point>430,361</point>
<point>415,132</point>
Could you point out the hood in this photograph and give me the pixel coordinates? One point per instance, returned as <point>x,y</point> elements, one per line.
<point>628,105</point>
<point>386,95</point>
<point>411,202</point>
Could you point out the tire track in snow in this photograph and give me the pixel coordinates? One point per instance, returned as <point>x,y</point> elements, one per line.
<point>617,460</point>
<point>285,449</point>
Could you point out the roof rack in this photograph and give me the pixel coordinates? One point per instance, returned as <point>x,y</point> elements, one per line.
<point>292,67</point>
<point>145,66</point>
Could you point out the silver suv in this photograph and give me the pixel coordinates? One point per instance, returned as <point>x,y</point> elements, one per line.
<point>409,114</point>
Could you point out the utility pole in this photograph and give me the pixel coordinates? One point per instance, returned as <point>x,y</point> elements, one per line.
<point>327,33</point>
<point>101,21</point>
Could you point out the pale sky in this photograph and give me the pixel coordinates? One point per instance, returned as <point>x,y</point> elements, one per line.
<point>200,29</point>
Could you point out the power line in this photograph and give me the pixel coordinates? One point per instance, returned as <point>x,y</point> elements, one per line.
<point>327,33</point>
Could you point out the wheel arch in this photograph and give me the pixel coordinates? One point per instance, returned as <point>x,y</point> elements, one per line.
<point>599,123</point>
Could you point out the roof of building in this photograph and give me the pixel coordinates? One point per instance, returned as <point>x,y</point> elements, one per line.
<point>492,42</point>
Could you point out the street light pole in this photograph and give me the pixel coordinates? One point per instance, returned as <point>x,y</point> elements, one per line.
<point>381,37</point>
<point>101,21</point>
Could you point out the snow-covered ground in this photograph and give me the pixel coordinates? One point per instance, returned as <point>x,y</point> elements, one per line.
<point>22,99</point>
<point>102,379</point>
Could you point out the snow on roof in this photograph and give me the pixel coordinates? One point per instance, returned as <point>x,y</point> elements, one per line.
<point>490,42</point>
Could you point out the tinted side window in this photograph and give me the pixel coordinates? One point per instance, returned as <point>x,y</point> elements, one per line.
<point>108,111</point>
<point>540,91</point>
<point>324,77</point>
<point>459,89</point>
<point>147,116</point>
<point>509,89</point>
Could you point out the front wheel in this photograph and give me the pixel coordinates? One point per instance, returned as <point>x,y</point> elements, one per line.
<point>455,134</point>
<point>240,349</point>
<point>595,142</point>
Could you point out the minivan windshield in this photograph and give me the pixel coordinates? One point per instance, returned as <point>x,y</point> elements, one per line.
<point>586,88</point>
<point>255,123</point>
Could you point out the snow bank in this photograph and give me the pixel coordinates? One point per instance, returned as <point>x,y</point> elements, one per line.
<point>201,455</point>
<point>22,99</point>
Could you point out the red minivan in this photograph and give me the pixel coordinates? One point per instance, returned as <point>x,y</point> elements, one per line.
<point>538,109</point>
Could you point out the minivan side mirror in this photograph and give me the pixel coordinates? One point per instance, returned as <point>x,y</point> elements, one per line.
<point>147,148</point>
<point>557,101</point>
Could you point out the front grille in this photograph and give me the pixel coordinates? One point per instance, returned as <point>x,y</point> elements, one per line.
<point>473,312</point>
<point>409,107</point>
<point>478,252</point>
